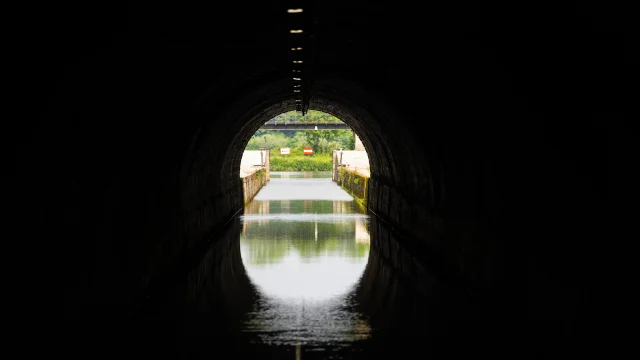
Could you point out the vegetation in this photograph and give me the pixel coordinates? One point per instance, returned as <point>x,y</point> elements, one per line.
<point>350,181</point>
<point>322,141</point>
<point>316,162</point>
<point>312,116</point>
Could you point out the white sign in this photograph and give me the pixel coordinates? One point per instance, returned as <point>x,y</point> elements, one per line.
<point>285,151</point>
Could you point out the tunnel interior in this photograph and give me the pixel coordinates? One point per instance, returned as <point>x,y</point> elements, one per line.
<point>487,138</point>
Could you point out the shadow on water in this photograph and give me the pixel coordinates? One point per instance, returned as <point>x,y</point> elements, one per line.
<point>293,279</point>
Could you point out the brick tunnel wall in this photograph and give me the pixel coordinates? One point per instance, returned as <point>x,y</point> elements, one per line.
<point>418,181</point>
<point>440,195</point>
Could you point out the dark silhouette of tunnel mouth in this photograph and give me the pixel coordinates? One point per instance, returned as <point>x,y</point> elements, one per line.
<point>384,138</point>
<point>492,140</point>
<point>211,190</point>
<point>404,192</point>
<point>363,122</point>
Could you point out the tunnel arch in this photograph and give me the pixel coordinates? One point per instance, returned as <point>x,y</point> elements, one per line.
<point>120,147</point>
<point>399,177</point>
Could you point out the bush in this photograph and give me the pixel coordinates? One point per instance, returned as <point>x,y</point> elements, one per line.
<point>316,162</point>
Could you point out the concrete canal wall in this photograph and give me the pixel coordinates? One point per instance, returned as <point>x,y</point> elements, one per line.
<point>350,170</point>
<point>254,172</point>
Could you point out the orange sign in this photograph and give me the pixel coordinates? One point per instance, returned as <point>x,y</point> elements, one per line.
<point>308,151</point>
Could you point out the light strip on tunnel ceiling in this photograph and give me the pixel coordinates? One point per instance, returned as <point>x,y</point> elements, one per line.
<point>300,103</point>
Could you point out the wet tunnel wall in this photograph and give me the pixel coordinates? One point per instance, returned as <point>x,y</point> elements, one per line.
<point>480,134</point>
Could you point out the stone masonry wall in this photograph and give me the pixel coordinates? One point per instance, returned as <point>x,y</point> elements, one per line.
<point>251,184</point>
<point>354,183</point>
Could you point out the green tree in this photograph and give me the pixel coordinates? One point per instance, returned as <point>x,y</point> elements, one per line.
<point>312,116</point>
<point>322,141</point>
<point>272,140</point>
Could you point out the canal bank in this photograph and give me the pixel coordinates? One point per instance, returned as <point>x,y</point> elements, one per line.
<point>254,172</point>
<point>350,170</point>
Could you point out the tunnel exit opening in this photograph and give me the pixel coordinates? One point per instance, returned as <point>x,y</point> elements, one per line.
<point>304,242</point>
<point>316,142</point>
<point>309,257</point>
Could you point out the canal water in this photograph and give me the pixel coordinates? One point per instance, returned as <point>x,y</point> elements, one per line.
<point>302,273</point>
<point>305,245</point>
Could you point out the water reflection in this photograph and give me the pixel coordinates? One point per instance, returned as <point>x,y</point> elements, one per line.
<point>305,246</point>
<point>288,186</point>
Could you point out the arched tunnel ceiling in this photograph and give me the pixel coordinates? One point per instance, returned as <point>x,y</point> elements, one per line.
<point>362,111</point>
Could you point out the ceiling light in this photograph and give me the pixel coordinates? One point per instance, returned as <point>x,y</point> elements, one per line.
<point>297,79</point>
<point>294,11</point>
<point>296,31</point>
